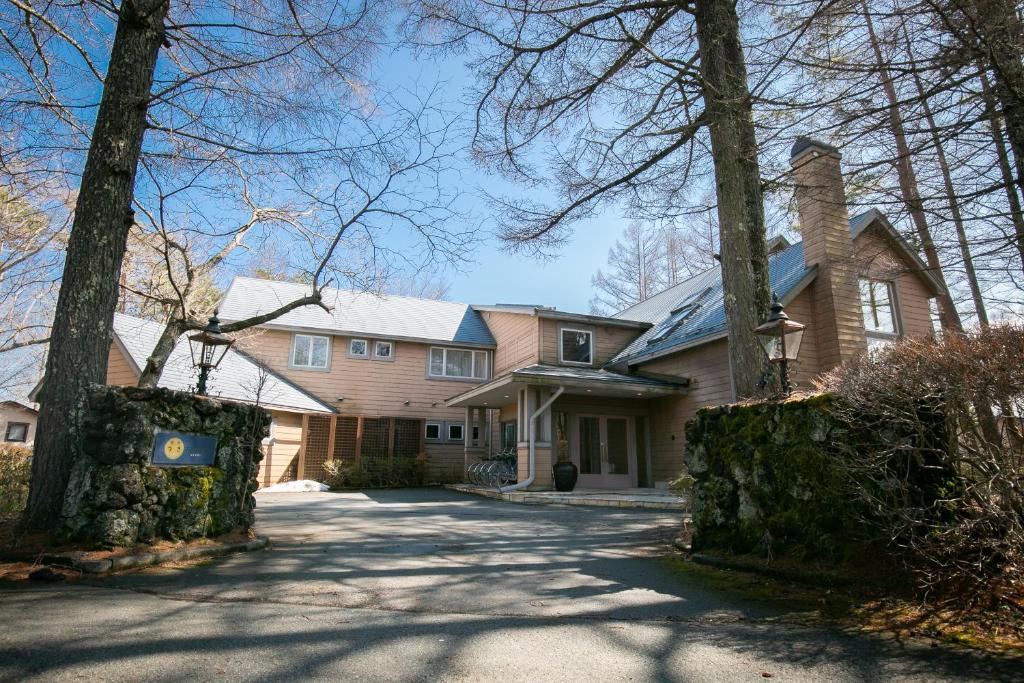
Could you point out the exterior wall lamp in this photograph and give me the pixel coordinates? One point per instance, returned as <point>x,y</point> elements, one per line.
<point>208,346</point>
<point>781,339</point>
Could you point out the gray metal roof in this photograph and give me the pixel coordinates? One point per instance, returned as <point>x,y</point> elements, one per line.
<point>704,318</point>
<point>601,376</point>
<point>358,313</point>
<point>237,378</point>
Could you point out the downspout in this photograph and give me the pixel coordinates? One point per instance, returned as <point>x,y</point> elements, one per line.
<point>533,444</point>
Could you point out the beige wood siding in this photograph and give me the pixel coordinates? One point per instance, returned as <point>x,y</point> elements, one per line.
<point>877,259</point>
<point>708,366</point>
<point>608,341</point>
<point>119,370</point>
<point>806,367</point>
<point>14,413</point>
<point>374,388</point>
<point>517,339</point>
<point>280,455</point>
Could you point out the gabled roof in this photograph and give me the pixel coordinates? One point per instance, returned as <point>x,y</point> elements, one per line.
<point>875,219</point>
<point>358,313</point>
<point>21,405</point>
<point>703,315</point>
<point>237,378</point>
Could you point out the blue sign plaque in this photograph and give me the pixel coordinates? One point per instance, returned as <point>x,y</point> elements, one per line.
<point>178,449</point>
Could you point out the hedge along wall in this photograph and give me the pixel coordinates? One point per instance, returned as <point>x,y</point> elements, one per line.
<point>116,498</point>
<point>774,476</point>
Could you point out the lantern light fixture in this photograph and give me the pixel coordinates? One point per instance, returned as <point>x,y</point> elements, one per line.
<point>208,346</point>
<point>780,337</point>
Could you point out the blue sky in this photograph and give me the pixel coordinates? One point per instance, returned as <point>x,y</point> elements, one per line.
<point>497,276</point>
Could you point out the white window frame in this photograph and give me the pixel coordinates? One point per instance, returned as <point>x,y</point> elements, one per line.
<point>448,432</point>
<point>440,431</point>
<point>366,345</point>
<point>893,305</point>
<point>477,356</point>
<point>561,340</point>
<point>376,345</point>
<point>314,368</point>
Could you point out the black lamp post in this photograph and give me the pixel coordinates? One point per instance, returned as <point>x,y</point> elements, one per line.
<point>781,339</point>
<point>208,346</point>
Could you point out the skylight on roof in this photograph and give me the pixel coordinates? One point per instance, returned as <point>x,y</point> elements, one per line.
<point>679,315</point>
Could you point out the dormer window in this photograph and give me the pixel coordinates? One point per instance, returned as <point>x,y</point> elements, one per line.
<point>576,347</point>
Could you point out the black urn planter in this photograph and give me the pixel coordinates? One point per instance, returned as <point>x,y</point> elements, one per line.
<point>566,475</point>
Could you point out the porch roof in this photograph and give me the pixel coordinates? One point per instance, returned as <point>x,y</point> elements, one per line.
<point>585,381</point>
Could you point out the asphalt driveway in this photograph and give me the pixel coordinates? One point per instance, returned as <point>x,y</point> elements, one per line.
<point>426,585</point>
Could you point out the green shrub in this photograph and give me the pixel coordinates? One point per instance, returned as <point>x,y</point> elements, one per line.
<point>15,474</point>
<point>376,474</point>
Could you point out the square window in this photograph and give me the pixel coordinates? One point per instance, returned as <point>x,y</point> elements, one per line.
<point>357,348</point>
<point>311,352</point>
<point>576,346</point>
<point>17,432</point>
<point>455,432</point>
<point>383,350</point>
<point>433,431</point>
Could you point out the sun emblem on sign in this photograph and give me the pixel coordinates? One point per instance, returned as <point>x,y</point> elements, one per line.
<point>174,448</point>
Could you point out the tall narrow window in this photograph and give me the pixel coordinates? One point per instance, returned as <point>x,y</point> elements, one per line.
<point>878,304</point>
<point>311,352</point>
<point>576,346</point>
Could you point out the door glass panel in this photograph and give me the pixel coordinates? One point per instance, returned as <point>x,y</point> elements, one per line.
<point>561,436</point>
<point>590,445</point>
<point>618,446</point>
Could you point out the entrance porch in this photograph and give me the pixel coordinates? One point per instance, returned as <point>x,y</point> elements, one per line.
<point>596,419</point>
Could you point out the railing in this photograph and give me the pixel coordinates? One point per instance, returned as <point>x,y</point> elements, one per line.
<point>495,470</point>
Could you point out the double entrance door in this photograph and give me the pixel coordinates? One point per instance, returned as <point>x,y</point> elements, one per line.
<point>606,452</point>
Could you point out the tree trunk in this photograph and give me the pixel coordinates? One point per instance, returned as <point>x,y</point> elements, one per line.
<point>948,316</point>
<point>1012,198</point>
<point>951,199</point>
<point>993,31</point>
<point>161,352</point>
<point>80,339</point>
<point>744,250</point>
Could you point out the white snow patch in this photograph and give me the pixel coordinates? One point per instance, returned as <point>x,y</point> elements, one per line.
<point>293,486</point>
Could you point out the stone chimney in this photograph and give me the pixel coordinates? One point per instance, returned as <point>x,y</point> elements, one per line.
<point>825,227</point>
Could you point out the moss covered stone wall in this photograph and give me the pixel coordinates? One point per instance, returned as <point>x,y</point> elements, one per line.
<point>771,477</point>
<point>116,498</point>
